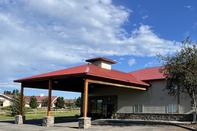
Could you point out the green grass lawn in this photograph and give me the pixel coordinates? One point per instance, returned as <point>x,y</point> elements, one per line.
<point>39,114</point>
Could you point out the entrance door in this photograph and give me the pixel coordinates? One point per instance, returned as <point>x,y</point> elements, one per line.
<point>107,111</point>
<point>110,110</point>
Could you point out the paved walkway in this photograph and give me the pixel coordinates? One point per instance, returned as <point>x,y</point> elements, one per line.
<point>97,125</point>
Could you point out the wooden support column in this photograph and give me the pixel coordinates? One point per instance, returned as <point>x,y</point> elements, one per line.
<point>85,99</point>
<point>49,98</point>
<point>21,99</point>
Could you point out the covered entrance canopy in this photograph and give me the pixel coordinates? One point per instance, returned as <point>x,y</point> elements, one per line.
<point>98,72</point>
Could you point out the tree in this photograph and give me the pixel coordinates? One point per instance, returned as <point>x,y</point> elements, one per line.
<point>15,92</point>
<point>180,71</point>
<point>33,102</point>
<point>78,102</point>
<point>15,108</point>
<point>44,102</point>
<point>7,92</point>
<point>60,102</point>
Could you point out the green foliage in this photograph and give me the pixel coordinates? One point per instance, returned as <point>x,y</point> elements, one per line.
<point>15,108</point>
<point>8,108</point>
<point>78,102</point>
<point>33,102</point>
<point>15,92</point>
<point>11,93</point>
<point>60,102</point>
<point>44,102</point>
<point>180,70</point>
<point>7,92</point>
<point>70,103</point>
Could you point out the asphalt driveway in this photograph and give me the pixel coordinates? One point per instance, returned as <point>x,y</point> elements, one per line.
<point>97,125</point>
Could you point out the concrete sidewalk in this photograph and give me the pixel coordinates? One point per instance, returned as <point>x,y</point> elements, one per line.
<point>97,125</point>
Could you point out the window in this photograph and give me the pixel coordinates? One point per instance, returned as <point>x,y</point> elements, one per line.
<point>1,103</point>
<point>96,106</point>
<point>172,108</point>
<point>138,108</point>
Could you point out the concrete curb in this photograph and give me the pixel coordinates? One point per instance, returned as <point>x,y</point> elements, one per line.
<point>185,127</point>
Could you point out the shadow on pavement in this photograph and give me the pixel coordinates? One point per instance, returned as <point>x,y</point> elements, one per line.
<point>7,121</point>
<point>56,121</point>
<point>127,123</point>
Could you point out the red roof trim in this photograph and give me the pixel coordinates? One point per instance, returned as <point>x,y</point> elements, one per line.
<point>101,59</point>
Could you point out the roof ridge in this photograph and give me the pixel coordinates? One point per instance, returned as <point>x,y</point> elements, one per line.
<point>87,68</point>
<point>125,73</point>
<point>144,69</point>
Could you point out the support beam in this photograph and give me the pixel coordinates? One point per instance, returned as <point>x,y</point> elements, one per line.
<point>85,99</point>
<point>49,98</point>
<point>21,100</point>
<point>114,84</point>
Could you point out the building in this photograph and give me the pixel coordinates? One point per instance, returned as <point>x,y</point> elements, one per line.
<point>40,99</point>
<point>106,92</point>
<point>6,100</point>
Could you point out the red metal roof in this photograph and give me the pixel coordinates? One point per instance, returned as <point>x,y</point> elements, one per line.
<point>148,74</point>
<point>101,59</point>
<point>91,70</point>
<point>114,74</point>
<point>8,95</point>
<point>69,71</point>
<point>40,98</point>
<point>69,100</point>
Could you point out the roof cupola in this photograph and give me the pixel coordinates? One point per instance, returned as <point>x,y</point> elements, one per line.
<point>102,62</point>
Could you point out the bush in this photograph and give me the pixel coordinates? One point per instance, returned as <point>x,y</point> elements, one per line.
<point>8,108</point>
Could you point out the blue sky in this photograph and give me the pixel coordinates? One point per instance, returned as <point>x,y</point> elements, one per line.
<point>38,37</point>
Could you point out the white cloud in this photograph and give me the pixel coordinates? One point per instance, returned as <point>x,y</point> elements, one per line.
<point>195,25</point>
<point>149,64</point>
<point>122,58</point>
<point>42,36</point>
<point>144,17</point>
<point>134,24</point>
<point>131,61</point>
<point>189,7</point>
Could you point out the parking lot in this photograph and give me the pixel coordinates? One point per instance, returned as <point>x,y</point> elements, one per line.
<point>97,125</point>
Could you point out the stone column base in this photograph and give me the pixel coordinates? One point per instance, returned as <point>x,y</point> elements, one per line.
<point>48,121</point>
<point>84,122</point>
<point>18,119</point>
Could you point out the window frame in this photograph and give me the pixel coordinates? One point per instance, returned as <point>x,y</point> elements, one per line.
<point>172,108</point>
<point>138,108</point>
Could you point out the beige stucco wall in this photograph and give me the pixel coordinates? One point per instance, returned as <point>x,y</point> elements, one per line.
<point>102,64</point>
<point>6,101</point>
<point>154,100</point>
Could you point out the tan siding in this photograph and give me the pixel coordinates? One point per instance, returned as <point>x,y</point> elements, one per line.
<point>154,100</point>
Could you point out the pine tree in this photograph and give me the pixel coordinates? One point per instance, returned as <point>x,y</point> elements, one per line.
<point>15,108</point>
<point>33,102</point>
<point>78,102</point>
<point>60,102</point>
<point>45,102</point>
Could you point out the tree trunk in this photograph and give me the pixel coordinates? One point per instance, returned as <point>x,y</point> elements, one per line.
<point>194,113</point>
